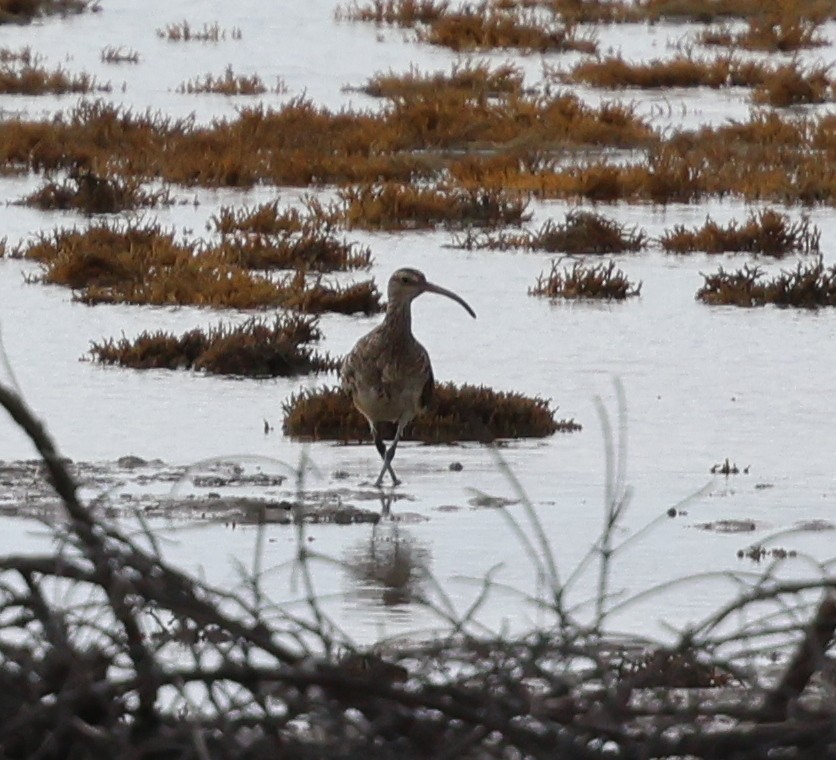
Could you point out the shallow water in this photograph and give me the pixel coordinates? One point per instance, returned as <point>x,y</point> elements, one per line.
<point>702,384</point>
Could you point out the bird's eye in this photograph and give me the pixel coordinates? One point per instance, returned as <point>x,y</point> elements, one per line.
<point>404,279</point>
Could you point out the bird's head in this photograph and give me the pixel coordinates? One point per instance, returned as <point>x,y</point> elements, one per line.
<point>407,284</point>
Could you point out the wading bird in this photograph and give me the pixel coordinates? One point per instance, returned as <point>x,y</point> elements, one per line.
<point>388,373</point>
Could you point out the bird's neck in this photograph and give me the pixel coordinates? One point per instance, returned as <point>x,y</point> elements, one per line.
<point>398,317</point>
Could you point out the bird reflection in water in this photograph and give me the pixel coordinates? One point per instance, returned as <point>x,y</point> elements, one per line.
<point>389,568</point>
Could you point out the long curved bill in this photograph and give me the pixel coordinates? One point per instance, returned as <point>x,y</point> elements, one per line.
<point>430,287</point>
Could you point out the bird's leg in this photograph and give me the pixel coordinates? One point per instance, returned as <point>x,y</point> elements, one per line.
<point>387,460</point>
<point>388,456</point>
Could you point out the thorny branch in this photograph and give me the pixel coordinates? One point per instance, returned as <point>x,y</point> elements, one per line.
<point>111,678</point>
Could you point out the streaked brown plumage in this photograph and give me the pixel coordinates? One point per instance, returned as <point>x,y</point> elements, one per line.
<point>388,373</point>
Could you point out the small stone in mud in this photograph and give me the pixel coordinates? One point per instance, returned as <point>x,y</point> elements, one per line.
<point>672,512</point>
<point>456,466</point>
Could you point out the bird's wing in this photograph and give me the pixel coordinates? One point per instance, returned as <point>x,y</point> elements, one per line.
<point>429,385</point>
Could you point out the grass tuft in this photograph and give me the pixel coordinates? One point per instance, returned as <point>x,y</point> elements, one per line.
<point>112,54</point>
<point>599,281</point>
<point>395,206</point>
<point>183,31</point>
<point>457,413</point>
<point>141,263</point>
<point>229,84</point>
<point>24,11</point>
<point>32,79</point>
<point>580,232</point>
<point>259,347</point>
<point>808,286</point>
<point>91,194</point>
<point>768,232</point>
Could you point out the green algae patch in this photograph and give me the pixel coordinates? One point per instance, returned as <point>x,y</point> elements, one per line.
<point>457,413</point>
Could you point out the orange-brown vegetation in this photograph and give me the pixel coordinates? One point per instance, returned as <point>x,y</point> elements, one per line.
<point>23,11</point>
<point>268,219</point>
<point>517,143</point>
<point>472,80</point>
<point>808,286</point>
<point>395,206</point>
<point>404,13</point>
<point>31,79</point>
<point>24,56</point>
<point>183,31</point>
<point>580,232</point>
<point>229,84</point>
<point>765,158</point>
<point>708,11</point>
<point>260,347</point>
<point>266,237</point>
<point>85,191</point>
<point>680,71</point>
<point>303,144</point>
<point>600,281</point>
<point>457,413</point>
<point>790,85</point>
<point>411,13</point>
<point>488,26</point>
<point>777,25</point>
<point>311,250</point>
<point>142,263</point>
<point>475,26</point>
<point>768,232</point>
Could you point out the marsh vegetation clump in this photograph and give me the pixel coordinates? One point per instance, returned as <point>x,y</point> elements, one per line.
<point>396,206</point>
<point>311,250</point>
<point>475,26</point>
<point>262,219</point>
<point>116,55</point>
<point>767,232</point>
<point>229,84</point>
<point>777,26</point>
<point>710,11</point>
<point>259,347</point>
<point>85,191</point>
<point>791,85</point>
<point>489,26</point>
<point>470,79</point>
<point>580,232</point>
<point>404,13</point>
<point>29,78</point>
<point>183,31</point>
<point>457,413</point>
<point>681,71</point>
<point>597,281</point>
<point>142,263</point>
<point>24,11</point>
<point>809,285</point>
